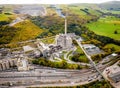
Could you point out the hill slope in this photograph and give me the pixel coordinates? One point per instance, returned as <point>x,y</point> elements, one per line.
<point>22,31</point>
<point>28,30</point>
<point>112,5</point>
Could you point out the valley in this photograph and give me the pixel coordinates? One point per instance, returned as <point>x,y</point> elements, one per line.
<point>60,45</point>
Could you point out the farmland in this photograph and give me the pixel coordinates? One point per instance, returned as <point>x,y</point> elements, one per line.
<point>106,26</point>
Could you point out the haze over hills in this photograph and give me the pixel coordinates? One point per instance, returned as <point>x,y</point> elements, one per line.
<point>112,5</point>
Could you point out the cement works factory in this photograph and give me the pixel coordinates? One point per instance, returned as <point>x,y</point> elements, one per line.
<point>17,71</point>
<point>62,42</point>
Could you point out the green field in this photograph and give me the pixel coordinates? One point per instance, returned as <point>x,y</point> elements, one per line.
<point>111,11</point>
<point>4,17</point>
<point>106,26</point>
<point>48,40</point>
<point>77,10</point>
<point>83,58</point>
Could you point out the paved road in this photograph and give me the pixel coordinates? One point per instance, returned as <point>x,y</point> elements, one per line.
<point>90,59</point>
<point>92,62</point>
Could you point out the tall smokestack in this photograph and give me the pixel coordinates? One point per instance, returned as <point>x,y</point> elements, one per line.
<point>65,25</point>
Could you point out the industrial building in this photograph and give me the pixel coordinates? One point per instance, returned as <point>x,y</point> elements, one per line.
<point>6,64</point>
<point>64,40</point>
<point>91,49</point>
<point>115,77</point>
<point>22,64</point>
<point>114,73</point>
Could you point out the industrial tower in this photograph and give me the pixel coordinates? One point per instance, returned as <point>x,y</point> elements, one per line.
<point>64,40</point>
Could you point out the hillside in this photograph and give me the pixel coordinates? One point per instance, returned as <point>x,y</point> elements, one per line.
<point>22,31</point>
<point>28,30</point>
<point>112,5</point>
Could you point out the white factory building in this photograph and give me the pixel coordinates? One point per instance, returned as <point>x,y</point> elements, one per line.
<point>22,64</point>
<point>64,41</point>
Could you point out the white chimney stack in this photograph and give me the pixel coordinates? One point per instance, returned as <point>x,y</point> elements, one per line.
<point>65,25</point>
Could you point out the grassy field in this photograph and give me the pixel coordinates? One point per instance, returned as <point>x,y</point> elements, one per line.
<point>3,17</point>
<point>77,10</point>
<point>82,57</point>
<point>106,26</point>
<point>112,11</point>
<point>48,40</point>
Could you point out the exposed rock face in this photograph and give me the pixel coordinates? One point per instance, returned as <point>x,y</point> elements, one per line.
<point>31,10</point>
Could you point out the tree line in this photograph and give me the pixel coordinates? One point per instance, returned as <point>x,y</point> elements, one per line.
<point>62,65</point>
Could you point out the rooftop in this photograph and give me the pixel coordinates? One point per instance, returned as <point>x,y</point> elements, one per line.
<point>114,69</point>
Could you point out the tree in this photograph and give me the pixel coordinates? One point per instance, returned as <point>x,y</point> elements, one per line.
<point>115,32</point>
